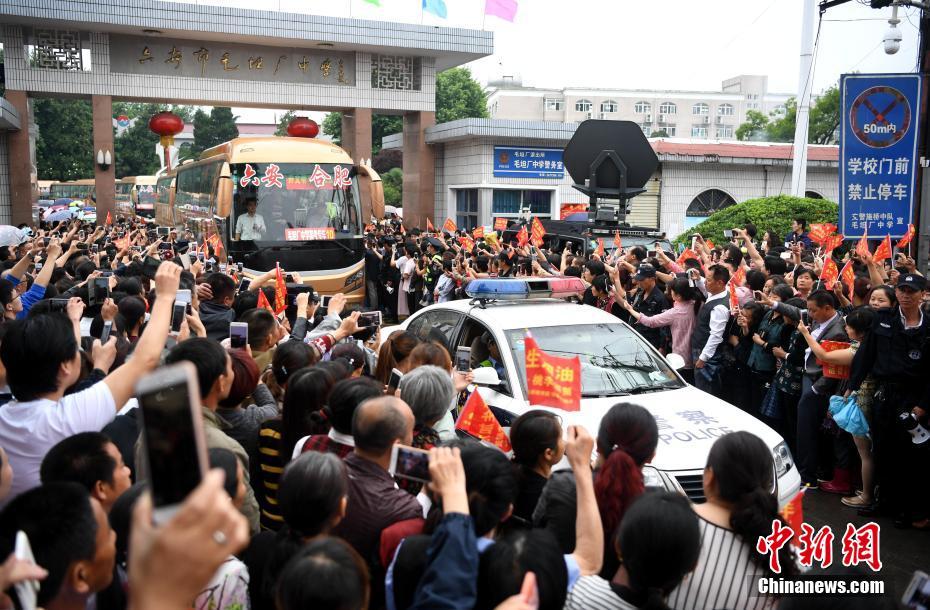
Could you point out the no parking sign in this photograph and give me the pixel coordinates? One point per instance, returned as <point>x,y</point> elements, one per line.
<point>878,152</point>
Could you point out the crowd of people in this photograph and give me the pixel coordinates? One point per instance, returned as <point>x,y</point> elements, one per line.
<point>299,508</point>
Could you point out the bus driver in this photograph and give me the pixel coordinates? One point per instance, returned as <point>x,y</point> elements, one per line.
<point>250,225</point>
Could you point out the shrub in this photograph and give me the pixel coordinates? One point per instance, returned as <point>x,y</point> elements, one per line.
<point>767,213</point>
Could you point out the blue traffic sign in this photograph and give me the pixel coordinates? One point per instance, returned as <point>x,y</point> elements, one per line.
<point>878,153</point>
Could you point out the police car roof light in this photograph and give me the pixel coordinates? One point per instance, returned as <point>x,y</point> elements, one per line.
<point>503,289</point>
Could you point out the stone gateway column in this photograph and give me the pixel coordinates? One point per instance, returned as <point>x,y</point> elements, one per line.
<point>419,171</point>
<point>21,194</point>
<point>105,180</point>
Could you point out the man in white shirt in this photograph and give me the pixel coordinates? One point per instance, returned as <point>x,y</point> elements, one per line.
<point>42,360</point>
<point>708,332</point>
<point>250,225</point>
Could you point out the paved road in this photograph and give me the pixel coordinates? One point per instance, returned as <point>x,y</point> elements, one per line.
<point>902,551</point>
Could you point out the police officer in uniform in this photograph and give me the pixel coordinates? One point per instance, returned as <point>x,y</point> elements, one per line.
<point>897,354</point>
<point>647,301</point>
<point>433,269</point>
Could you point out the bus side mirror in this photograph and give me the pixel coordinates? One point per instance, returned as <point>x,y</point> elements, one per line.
<point>224,192</point>
<point>375,191</point>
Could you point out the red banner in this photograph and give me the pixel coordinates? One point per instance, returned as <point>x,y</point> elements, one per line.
<point>476,419</point>
<point>309,234</point>
<point>820,232</point>
<point>883,250</point>
<point>568,209</point>
<point>109,220</point>
<point>911,231</point>
<point>862,248</point>
<point>429,226</point>
<point>552,381</point>
<point>830,273</point>
<point>537,232</point>
<point>600,247</point>
<point>832,242</point>
<point>523,237</point>
<point>618,243</point>
<point>478,233</point>
<point>739,276</point>
<point>793,514</point>
<point>467,242</point>
<point>500,224</point>
<point>449,226</point>
<point>834,371</point>
<point>848,277</point>
<point>688,253</point>
<point>734,299</point>
<point>263,301</point>
<point>280,290</point>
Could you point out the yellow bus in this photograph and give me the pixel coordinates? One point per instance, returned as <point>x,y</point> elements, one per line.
<point>164,199</point>
<point>310,212</point>
<point>84,189</point>
<point>135,196</point>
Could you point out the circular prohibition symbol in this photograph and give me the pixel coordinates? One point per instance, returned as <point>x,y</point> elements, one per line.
<point>880,116</point>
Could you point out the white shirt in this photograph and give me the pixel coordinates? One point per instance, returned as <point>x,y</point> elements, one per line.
<point>250,227</point>
<point>718,322</point>
<point>339,437</point>
<point>409,267</point>
<point>29,429</point>
<point>816,334</point>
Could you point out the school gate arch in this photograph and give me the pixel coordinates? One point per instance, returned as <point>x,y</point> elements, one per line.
<point>219,56</point>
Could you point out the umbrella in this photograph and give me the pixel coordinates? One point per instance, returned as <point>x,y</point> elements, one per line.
<point>389,209</point>
<point>59,216</point>
<point>63,201</point>
<point>10,236</point>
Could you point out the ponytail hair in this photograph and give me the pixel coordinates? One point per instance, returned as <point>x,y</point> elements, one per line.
<point>394,350</point>
<point>744,471</point>
<point>627,438</point>
<point>683,288</point>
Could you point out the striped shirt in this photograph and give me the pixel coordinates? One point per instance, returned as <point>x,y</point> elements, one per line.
<point>271,465</point>
<point>725,575</point>
<point>595,593</point>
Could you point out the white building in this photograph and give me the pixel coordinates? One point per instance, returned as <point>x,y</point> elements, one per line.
<point>713,115</point>
<point>695,178</point>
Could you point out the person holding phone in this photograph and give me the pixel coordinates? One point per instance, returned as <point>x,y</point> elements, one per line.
<point>42,360</point>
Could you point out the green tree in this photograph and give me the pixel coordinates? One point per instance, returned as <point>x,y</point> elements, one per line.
<point>823,120</point>
<point>211,129</point>
<point>146,110</point>
<point>754,128</point>
<point>659,133</point>
<point>65,143</point>
<point>135,147</point>
<point>393,182</point>
<point>381,125</point>
<point>283,122</point>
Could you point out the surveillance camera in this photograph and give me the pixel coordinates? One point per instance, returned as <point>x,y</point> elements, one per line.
<point>892,40</point>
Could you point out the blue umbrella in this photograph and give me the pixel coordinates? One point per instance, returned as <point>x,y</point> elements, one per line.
<point>59,216</point>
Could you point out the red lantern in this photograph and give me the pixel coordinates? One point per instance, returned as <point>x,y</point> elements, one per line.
<point>167,125</point>
<point>302,127</point>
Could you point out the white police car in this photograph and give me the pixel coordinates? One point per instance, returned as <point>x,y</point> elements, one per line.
<point>617,365</point>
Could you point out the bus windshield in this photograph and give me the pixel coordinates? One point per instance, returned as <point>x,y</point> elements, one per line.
<point>295,201</point>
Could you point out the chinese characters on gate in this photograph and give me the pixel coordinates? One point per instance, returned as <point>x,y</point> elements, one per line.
<point>859,545</point>
<point>517,161</point>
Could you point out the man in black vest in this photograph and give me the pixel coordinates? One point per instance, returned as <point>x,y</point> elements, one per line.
<point>707,341</point>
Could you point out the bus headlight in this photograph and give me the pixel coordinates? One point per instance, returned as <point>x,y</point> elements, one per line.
<point>783,459</point>
<point>651,477</point>
<point>355,277</point>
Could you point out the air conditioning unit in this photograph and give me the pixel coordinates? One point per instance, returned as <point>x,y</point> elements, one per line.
<point>648,118</point>
<point>662,118</point>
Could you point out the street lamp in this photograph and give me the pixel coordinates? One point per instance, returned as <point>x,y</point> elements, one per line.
<point>104,159</point>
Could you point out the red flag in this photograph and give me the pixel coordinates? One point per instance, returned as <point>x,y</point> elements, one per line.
<point>911,231</point>
<point>500,224</point>
<point>280,290</point>
<point>739,276</point>
<point>830,273</point>
<point>710,245</point>
<point>618,243</point>
<point>449,226</point>
<point>522,236</point>
<point>819,232</point>
<point>600,247</point>
<point>468,243</point>
<point>848,277</point>
<point>862,248</point>
<point>216,242</point>
<point>476,419</point>
<point>478,233</point>
<point>883,250</point>
<point>403,231</point>
<point>734,300</point>
<point>537,232</point>
<point>688,253</point>
<point>263,301</point>
<point>832,242</point>
<point>109,220</point>
<point>793,514</point>
<point>552,381</point>
<point>429,226</point>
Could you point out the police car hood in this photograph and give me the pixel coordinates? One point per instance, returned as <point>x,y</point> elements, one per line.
<point>689,422</point>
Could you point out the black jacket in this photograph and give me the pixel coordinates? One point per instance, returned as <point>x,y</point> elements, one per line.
<point>216,319</point>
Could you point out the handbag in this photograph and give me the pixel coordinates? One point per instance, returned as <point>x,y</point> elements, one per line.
<point>771,404</point>
<point>848,416</point>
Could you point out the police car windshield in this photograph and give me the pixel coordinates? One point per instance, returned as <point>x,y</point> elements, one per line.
<point>614,360</point>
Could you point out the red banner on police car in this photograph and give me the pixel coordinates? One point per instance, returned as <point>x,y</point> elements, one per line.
<point>552,381</point>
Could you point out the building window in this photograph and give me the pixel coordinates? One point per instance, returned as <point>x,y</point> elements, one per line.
<point>698,132</point>
<point>708,202</point>
<point>700,108</point>
<point>752,96</point>
<point>609,106</point>
<point>494,109</point>
<point>583,106</point>
<point>668,108</point>
<point>670,130</point>
<point>813,195</point>
<point>647,129</point>
<point>507,202</point>
<point>725,132</point>
<point>725,110</point>
<point>642,107</point>
<point>466,208</point>
<point>553,104</point>
<point>752,106</point>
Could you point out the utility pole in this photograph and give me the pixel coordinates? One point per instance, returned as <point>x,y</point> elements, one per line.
<point>805,82</point>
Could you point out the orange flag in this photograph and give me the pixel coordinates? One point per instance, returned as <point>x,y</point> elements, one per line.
<point>552,381</point>
<point>280,290</point>
<point>911,231</point>
<point>467,243</point>
<point>862,248</point>
<point>793,514</point>
<point>685,255</point>
<point>830,273</point>
<point>883,250</point>
<point>600,247</point>
<point>429,226</point>
<point>618,243</point>
<point>522,236</point>
<point>734,300</point>
<point>500,224</point>
<point>476,419</point>
<point>109,220</point>
<point>537,232</point>
<point>478,233</point>
<point>216,242</point>
<point>848,277</point>
<point>739,276</point>
<point>449,226</point>
<point>832,242</point>
<point>263,301</point>
<point>709,244</point>
<point>819,232</point>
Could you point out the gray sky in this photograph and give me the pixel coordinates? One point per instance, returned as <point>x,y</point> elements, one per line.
<point>672,44</point>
